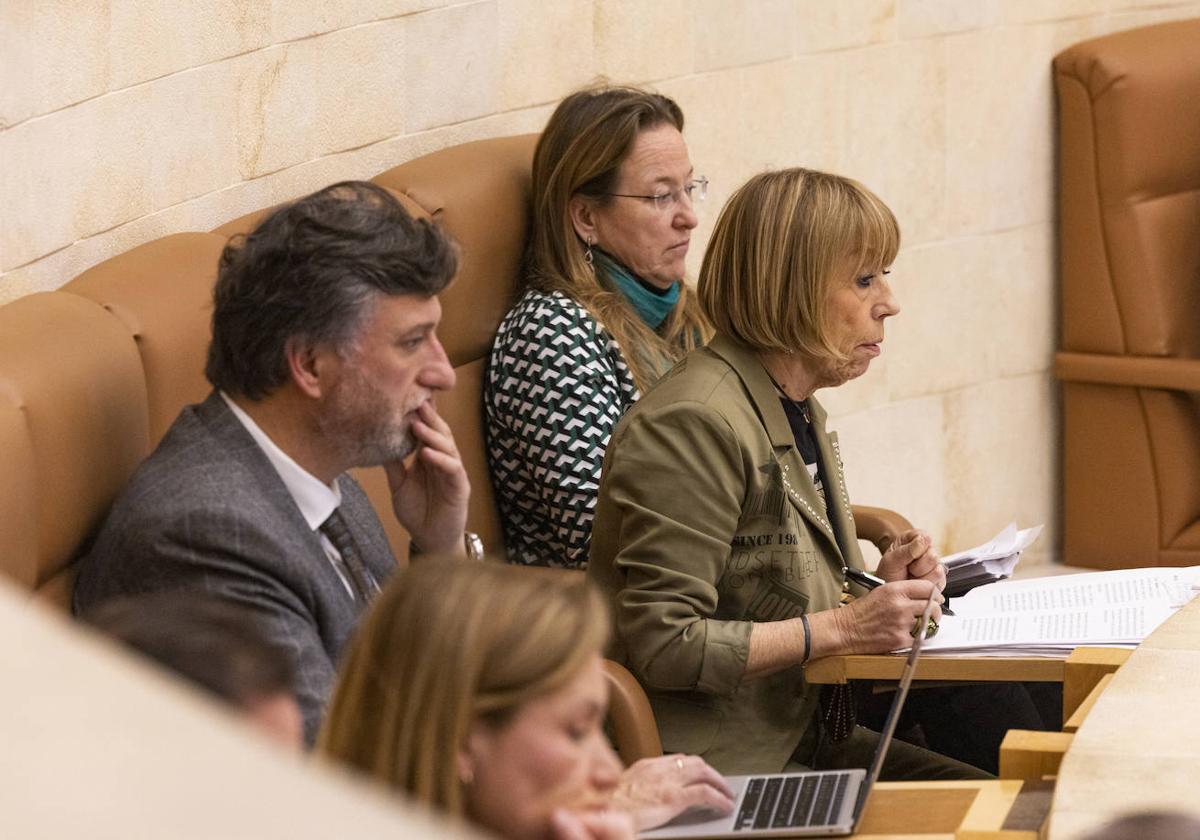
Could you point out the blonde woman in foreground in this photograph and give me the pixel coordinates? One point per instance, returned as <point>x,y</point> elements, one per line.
<point>479,691</point>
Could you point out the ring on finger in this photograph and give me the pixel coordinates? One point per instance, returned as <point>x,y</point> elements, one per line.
<point>931,628</point>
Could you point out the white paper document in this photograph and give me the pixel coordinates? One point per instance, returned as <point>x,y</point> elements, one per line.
<point>1169,586</point>
<point>1008,541</point>
<point>1052,616</point>
<point>990,562</point>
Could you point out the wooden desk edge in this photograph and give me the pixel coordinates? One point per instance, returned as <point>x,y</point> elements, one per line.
<point>983,817</point>
<point>839,669</point>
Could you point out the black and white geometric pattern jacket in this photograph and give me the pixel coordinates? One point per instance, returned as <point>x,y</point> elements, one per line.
<point>556,386</point>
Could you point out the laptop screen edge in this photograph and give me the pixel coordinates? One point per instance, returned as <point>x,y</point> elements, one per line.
<point>893,718</point>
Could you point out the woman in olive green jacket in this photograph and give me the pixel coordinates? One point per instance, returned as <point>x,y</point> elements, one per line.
<point>723,528</point>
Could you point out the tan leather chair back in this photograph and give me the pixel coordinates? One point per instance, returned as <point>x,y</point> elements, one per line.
<point>1130,107</point>
<point>1129,123</point>
<point>162,293</point>
<point>73,427</point>
<point>479,192</point>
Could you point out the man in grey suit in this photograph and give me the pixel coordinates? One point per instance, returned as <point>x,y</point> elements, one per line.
<point>323,358</point>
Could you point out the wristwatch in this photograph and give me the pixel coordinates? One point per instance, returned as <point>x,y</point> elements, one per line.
<point>473,545</point>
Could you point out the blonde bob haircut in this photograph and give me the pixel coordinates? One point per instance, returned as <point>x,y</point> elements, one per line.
<point>780,244</point>
<point>447,643</point>
<point>580,152</point>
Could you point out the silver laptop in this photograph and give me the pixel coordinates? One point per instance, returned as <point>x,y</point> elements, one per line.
<point>826,803</point>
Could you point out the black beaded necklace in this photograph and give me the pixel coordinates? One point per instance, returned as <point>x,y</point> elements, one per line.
<point>799,405</point>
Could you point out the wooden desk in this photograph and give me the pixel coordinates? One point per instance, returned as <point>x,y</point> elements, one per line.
<point>838,669</point>
<point>1139,747</point>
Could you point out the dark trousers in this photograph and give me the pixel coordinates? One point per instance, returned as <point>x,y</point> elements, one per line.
<point>904,761</point>
<point>967,722</point>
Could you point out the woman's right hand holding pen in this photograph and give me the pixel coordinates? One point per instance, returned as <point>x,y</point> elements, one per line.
<point>878,622</point>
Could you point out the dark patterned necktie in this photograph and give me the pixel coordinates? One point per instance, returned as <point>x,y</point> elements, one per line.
<point>362,583</point>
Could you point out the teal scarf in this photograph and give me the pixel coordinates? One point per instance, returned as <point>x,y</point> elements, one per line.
<point>652,306</point>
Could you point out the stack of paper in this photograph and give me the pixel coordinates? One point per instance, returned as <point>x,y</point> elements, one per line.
<point>987,563</point>
<point>1052,616</point>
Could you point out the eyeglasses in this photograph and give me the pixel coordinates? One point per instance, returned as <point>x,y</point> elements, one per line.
<point>696,190</point>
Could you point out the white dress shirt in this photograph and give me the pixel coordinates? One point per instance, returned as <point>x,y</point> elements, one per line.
<point>316,499</point>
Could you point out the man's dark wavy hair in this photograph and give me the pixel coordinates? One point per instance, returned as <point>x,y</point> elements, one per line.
<point>311,271</point>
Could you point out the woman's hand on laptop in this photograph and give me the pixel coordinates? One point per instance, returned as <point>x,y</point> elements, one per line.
<point>656,790</point>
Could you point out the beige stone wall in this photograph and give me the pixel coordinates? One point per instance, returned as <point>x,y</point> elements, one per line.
<point>124,120</point>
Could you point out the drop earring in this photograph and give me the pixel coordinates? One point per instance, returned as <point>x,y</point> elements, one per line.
<point>588,257</point>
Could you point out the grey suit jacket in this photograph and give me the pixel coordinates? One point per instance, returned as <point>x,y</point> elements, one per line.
<point>207,511</point>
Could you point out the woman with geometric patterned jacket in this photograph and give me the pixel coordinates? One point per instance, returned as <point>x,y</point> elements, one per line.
<point>604,311</point>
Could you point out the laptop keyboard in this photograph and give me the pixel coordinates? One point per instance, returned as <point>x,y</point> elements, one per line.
<point>792,802</point>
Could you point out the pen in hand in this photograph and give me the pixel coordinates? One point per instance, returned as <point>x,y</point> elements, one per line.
<point>865,579</point>
<point>870,581</point>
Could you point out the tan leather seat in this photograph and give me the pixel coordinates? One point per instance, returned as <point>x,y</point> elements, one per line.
<point>1129,131</point>
<point>73,427</point>
<point>162,292</point>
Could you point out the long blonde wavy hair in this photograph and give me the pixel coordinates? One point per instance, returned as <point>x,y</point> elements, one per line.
<point>446,643</point>
<point>589,135</point>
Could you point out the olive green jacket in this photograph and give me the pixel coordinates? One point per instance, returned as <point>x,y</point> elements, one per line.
<point>707,521</point>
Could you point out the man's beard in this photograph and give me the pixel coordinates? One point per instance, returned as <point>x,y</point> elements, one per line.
<point>363,426</point>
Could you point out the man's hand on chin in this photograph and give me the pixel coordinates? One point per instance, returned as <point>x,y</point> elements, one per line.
<point>430,492</point>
